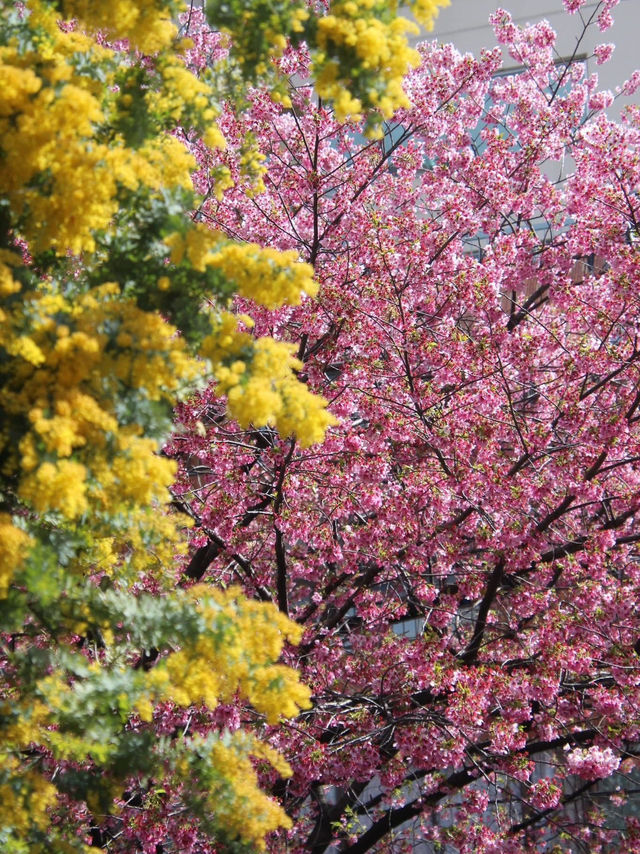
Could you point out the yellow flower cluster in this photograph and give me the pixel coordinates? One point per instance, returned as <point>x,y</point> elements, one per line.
<point>180,92</point>
<point>257,376</point>
<point>181,86</point>
<point>70,360</point>
<point>197,245</point>
<point>268,276</point>
<point>271,277</point>
<point>426,10</point>
<point>149,354</point>
<point>246,812</point>
<point>259,30</point>
<point>25,797</point>
<point>165,162</point>
<point>67,376</point>
<point>379,47</point>
<point>359,49</point>
<point>146,24</point>
<point>235,653</point>
<point>8,285</point>
<point>151,543</point>
<point>22,725</point>
<point>58,174</point>
<point>13,547</point>
<point>78,419</point>
<point>241,659</point>
<point>141,475</point>
<point>368,38</point>
<point>57,486</point>
<point>45,138</point>
<point>252,161</point>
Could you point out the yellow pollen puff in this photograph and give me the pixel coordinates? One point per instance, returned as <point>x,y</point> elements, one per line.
<point>373,47</point>
<point>14,544</point>
<point>268,276</point>
<point>60,487</point>
<point>267,392</point>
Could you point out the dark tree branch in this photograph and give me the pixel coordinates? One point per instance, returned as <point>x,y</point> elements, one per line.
<point>395,817</point>
<point>495,579</point>
<point>539,816</point>
<point>550,518</point>
<point>281,579</point>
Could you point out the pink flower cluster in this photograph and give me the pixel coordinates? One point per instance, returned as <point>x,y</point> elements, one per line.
<point>593,763</point>
<point>462,550</point>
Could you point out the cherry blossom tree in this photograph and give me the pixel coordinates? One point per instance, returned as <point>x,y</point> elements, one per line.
<point>462,550</point>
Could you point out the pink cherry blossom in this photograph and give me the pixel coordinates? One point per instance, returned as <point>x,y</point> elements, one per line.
<point>462,551</point>
<point>603,52</point>
<point>593,763</point>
